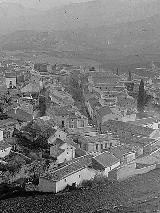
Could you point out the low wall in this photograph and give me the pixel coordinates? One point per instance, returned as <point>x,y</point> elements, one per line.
<point>129,171</point>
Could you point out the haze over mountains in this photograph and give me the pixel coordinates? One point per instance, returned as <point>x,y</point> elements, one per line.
<point>120,27</point>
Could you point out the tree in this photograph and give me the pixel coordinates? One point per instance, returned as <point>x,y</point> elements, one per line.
<point>129,76</point>
<point>117,72</point>
<point>42,105</point>
<point>130,84</point>
<point>141,97</point>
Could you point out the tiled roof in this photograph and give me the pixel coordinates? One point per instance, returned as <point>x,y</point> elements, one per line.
<point>31,87</point>
<point>105,80</point>
<point>10,75</point>
<point>119,151</point>
<point>4,145</point>
<point>136,140</point>
<point>7,122</point>
<point>19,114</point>
<point>145,121</point>
<point>94,102</point>
<point>126,102</point>
<point>102,74</point>
<point>106,159</point>
<point>104,111</point>
<point>58,142</point>
<point>141,115</point>
<point>73,167</point>
<point>127,127</point>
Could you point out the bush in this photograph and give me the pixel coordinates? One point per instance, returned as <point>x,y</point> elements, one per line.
<point>87,184</point>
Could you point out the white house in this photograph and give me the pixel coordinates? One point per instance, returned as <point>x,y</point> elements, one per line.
<point>5,149</point>
<point>105,162</point>
<point>62,151</point>
<point>71,174</point>
<point>58,134</point>
<point>11,80</point>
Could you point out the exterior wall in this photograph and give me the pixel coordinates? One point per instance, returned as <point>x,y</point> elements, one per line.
<point>7,131</point>
<point>147,149</point>
<point>67,155</point>
<point>1,135</point>
<point>77,178</point>
<point>115,166</point>
<point>92,147</point>
<point>60,119</point>
<point>108,169</point>
<point>129,171</point>
<point>8,80</point>
<point>82,123</point>
<point>72,123</point>
<point>108,117</point>
<point>46,185</point>
<point>58,134</point>
<point>130,157</point>
<point>152,126</point>
<point>127,118</point>
<point>61,135</point>
<point>5,152</point>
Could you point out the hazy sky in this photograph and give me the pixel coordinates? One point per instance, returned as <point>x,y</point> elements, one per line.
<point>44,4</point>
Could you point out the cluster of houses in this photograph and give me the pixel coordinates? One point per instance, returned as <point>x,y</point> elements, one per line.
<point>45,135</point>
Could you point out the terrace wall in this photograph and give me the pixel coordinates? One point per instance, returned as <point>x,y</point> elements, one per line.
<point>129,171</point>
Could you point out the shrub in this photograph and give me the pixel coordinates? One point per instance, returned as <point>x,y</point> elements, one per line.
<point>87,184</point>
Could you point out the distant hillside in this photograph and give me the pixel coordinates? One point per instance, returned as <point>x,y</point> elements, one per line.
<point>103,43</point>
<point>122,33</point>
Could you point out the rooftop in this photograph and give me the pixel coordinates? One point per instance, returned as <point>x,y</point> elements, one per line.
<point>73,167</point>
<point>4,145</point>
<point>7,122</point>
<point>127,127</point>
<point>10,75</point>
<point>104,111</point>
<point>106,159</point>
<point>119,151</point>
<point>19,114</point>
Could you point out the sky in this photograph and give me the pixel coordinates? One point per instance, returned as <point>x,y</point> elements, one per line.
<point>44,4</point>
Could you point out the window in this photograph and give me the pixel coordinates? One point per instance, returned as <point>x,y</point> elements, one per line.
<point>85,147</point>
<point>65,180</point>
<point>62,123</point>
<point>6,134</point>
<point>81,123</point>
<point>101,146</point>
<point>10,84</point>
<point>79,176</point>
<point>106,145</point>
<point>97,147</point>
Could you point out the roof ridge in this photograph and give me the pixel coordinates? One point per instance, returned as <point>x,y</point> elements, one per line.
<point>70,162</point>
